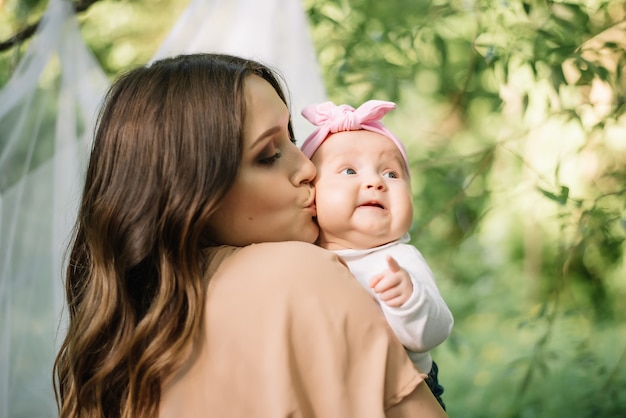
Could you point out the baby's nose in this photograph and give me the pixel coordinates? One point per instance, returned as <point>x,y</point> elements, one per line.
<point>374,182</point>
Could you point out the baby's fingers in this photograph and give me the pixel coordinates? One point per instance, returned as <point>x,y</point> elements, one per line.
<point>393,297</point>
<point>393,264</point>
<point>395,302</point>
<point>375,280</point>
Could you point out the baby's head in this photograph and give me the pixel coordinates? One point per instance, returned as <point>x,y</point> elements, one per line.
<point>331,119</point>
<point>363,192</point>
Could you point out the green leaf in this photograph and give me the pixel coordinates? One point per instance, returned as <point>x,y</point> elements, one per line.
<point>560,198</point>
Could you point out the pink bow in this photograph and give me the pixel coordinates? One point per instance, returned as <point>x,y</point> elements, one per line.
<point>331,119</point>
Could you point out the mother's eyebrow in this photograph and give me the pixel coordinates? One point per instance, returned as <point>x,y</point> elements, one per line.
<point>271,131</point>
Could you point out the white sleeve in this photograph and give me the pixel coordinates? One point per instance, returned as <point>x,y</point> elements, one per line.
<point>424,321</point>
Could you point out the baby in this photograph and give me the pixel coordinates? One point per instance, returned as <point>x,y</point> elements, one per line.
<point>364,210</point>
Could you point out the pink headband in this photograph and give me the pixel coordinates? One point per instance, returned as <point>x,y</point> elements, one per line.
<point>332,119</point>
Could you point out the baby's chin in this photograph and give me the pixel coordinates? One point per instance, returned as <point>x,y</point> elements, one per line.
<point>362,241</point>
<point>372,244</point>
<point>354,242</point>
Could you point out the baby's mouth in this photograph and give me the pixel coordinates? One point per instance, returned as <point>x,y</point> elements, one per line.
<point>372,204</point>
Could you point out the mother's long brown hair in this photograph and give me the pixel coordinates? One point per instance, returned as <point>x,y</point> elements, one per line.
<point>167,148</point>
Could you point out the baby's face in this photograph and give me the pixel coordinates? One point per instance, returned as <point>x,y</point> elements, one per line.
<point>363,192</point>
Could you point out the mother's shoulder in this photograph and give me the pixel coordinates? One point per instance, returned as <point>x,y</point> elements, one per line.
<point>278,261</point>
<point>284,255</point>
<point>279,249</point>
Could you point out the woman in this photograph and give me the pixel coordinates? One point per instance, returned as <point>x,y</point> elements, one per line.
<point>192,284</point>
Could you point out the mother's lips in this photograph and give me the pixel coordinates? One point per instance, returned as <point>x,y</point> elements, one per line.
<point>312,206</point>
<point>311,202</point>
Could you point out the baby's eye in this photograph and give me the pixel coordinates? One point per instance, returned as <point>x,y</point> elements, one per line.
<point>390,174</point>
<point>349,171</point>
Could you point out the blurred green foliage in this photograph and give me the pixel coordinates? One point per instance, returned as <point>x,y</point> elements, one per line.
<point>513,114</point>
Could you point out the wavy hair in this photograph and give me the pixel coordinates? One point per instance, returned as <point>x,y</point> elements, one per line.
<point>167,148</point>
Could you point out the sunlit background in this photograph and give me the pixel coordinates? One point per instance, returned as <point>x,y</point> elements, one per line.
<point>513,116</point>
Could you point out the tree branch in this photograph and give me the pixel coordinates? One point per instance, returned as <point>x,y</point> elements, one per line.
<point>30,30</point>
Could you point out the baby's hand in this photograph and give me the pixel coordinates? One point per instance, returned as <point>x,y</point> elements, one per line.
<point>393,286</point>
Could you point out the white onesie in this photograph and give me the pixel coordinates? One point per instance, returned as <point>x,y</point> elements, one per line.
<point>422,322</point>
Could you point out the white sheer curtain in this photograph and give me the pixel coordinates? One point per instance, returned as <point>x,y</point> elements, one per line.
<point>46,114</point>
<point>275,32</point>
<point>47,111</point>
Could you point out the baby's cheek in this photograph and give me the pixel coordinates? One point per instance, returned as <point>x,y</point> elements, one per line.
<point>326,198</point>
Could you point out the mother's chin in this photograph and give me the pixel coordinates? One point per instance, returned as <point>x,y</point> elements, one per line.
<point>309,231</point>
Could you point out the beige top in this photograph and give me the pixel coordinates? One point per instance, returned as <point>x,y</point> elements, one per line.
<point>289,332</point>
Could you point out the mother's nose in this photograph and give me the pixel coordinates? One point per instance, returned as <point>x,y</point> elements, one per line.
<point>305,170</point>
